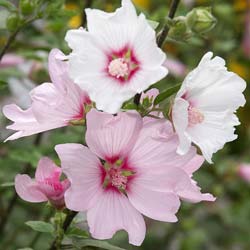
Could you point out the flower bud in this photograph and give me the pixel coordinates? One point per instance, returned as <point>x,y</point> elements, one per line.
<point>27,6</point>
<point>201,20</point>
<point>179,29</point>
<point>12,22</point>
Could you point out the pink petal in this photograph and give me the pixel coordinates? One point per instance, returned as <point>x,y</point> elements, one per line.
<point>10,60</point>
<point>151,94</point>
<point>156,147</point>
<point>83,169</point>
<point>194,164</point>
<point>174,180</point>
<point>157,205</point>
<point>111,137</point>
<point>58,68</point>
<point>113,212</point>
<point>28,190</point>
<point>25,122</point>
<point>244,171</point>
<point>47,169</point>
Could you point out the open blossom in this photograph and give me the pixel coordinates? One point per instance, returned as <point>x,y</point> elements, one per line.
<point>45,187</point>
<point>53,105</point>
<point>116,57</point>
<point>244,172</point>
<point>140,173</point>
<point>204,108</point>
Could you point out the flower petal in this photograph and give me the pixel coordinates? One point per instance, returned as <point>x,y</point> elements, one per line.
<point>111,136</point>
<point>214,132</point>
<point>83,169</point>
<point>157,205</point>
<point>113,212</point>
<point>28,190</point>
<point>156,147</point>
<point>46,168</point>
<point>180,121</point>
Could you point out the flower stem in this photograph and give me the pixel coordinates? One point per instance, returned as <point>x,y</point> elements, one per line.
<point>164,33</point>
<point>56,244</point>
<point>161,38</point>
<point>12,37</point>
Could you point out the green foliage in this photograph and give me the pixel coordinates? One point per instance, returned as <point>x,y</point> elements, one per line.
<point>81,244</point>
<point>41,226</point>
<point>77,232</point>
<point>166,94</point>
<point>27,6</point>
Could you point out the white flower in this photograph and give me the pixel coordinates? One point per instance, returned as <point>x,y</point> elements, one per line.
<point>116,57</point>
<point>203,110</point>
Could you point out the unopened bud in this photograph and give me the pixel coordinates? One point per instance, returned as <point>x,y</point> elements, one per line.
<point>12,22</point>
<point>201,20</point>
<point>179,29</point>
<point>26,6</point>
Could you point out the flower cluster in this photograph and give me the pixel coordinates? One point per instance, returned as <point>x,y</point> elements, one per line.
<point>134,163</point>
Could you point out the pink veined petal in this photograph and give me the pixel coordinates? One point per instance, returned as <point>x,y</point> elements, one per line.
<point>156,147</point>
<point>57,68</point>
<point>111,136</point>
<point>25,122</point>
<point>113,212</point>
<point>158,205</point>
<point>46,168</point>
<point>16,114</point>
<point>172,180</point>
<point>28,190</point>
<point>193,165</point>
<point>83,169</point>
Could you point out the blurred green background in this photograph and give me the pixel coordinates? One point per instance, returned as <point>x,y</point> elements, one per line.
<point>222,225</point>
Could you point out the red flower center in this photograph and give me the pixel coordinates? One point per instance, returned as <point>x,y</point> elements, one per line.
<point>116,175</point>
<point>122,65</point>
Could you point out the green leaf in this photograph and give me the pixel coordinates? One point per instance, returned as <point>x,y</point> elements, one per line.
<point>40,226</point>
<point>8,5</point>
<point>164,95</point>
<point>77,232</point>
<point>130,106</point>
<point>7,184</point>
<point>80,244</point>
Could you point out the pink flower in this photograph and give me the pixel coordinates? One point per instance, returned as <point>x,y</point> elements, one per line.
<point>53,105</point>
<point>244,172</point>
<point>45,187</point>
<point>140,173</point>
<point>10,60</point>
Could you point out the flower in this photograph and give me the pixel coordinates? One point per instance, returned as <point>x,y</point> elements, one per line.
<point>116,58</point>
<point>204,107</point>
<point>10,60</point>
<point>244,172</point>
<point>45,187</point>
<point>140,173</point>
<point>53,105</point>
